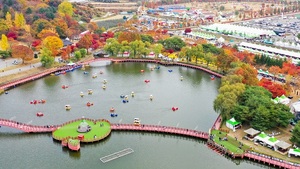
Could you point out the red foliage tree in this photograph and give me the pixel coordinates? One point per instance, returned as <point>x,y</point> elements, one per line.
<point>12,35</point>
<point>274,88</point>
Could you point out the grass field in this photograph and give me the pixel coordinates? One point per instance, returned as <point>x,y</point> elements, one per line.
<point>231,144</point>
<point>100,129</point>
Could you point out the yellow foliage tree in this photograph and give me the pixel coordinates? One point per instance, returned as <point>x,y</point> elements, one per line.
<point>8,20</point>
<point>53,43</point>
<point>20,21</point>
<point>4,45</point>
<point>65,8</point>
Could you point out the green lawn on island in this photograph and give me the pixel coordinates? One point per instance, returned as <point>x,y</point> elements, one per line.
<point>232,144</point>
<point>71,130</point>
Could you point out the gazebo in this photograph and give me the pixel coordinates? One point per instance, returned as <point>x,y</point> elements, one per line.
<point>251,133</point>
<point>282,147</point>
<point>83,127</point>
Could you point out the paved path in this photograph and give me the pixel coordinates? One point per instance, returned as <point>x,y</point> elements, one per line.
<point>9,63</point>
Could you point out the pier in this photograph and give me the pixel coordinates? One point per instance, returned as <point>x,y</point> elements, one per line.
<point>116,155</point>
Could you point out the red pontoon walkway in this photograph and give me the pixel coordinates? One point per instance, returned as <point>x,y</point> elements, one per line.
<point>270,161</point>
<point>161,129</point>
<point>27,127</point>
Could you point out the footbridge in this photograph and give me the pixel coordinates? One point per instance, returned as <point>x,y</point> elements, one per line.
<point>28,128</point>
<point>114,127</point>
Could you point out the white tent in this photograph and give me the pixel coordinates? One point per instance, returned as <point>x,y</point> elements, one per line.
<point>272,141</point>
<point>221,40</point>
<point>262,137</point>
<point>295,152</point>
<point>232,124</point>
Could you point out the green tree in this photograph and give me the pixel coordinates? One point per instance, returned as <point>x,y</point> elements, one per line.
<point>112,46</point>
<point>147,38</point>
<point>157,48</point>
<point>174,43</point>
<point>83,52</point>
<point>137,47</point>
<point>296,134</point>
<point>46,57</point>
<point>77,55</point>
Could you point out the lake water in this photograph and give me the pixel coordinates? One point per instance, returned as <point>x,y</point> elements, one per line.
<point>193,96</point>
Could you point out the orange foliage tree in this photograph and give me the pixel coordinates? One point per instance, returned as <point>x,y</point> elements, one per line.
<point>129,37</point>
<point>22,52</point>
<point>274,88</point>
<point>85,42</point>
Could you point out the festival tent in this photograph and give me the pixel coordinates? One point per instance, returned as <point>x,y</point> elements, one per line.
<point>263,137</point>
<point>71,63</point>
<point>295,152</point>
<point>232,124</point>
<point>282,99</point>
<point>272,141</point>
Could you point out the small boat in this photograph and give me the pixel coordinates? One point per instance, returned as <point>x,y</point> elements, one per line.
<point>113,115</point>
<point>142,71</point>
<point>151,97</point>
<point>146,81</point>
<point>81,94</point>
<point>94,76</point>
<point>136,122</point>
<point>122,96</point>
<point>64,86</point>
<point>67,107</point>
<point>212,77</point>
<point>90,91</point>
<point>103,87</point>
<point>170,70</point>
<point>132,94</point>
<point>104,81</point>
<point>181,78</point>
<point>89,104</point>
<point>174,108</point>
<point>112,109</point>
<point>85,72</point>
<point>39,114</point>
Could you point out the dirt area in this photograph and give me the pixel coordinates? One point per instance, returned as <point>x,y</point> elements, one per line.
<point>115,17</point>
<point>284,136</point>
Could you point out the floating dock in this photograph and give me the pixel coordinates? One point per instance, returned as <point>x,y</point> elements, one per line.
<point>116,155</point>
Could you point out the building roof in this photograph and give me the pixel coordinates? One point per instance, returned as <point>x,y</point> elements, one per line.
<point>283,145</point>
<point>251,131</point>
<point>67,42</point>
<point>296,106</point>
<point>270,49</point>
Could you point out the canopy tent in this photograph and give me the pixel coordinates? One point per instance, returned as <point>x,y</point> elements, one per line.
<point>71,63</point>
<point>282,99</point>
<point>272,141</point>
<point>262,137</point>
<point>232,124</point>
<point>252,132</point>
<point>295,152</point>
<point>282,146</point>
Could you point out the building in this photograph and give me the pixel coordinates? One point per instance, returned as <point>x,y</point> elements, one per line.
<point>295,109</point>
<point>269,51</point>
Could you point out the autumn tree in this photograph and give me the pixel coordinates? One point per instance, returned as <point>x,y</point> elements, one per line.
<point>4,45</point>
<point>47,32</point>
<point>8,20</point>
<point>39,25</point>
<point>128,36</point>
<point>85,42</point>
<point>65,8</point>
<point>22,52</point>
<point>275,70</point>
<point>52,43</point>
<point>92,26</point>
<point>19,21</point>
